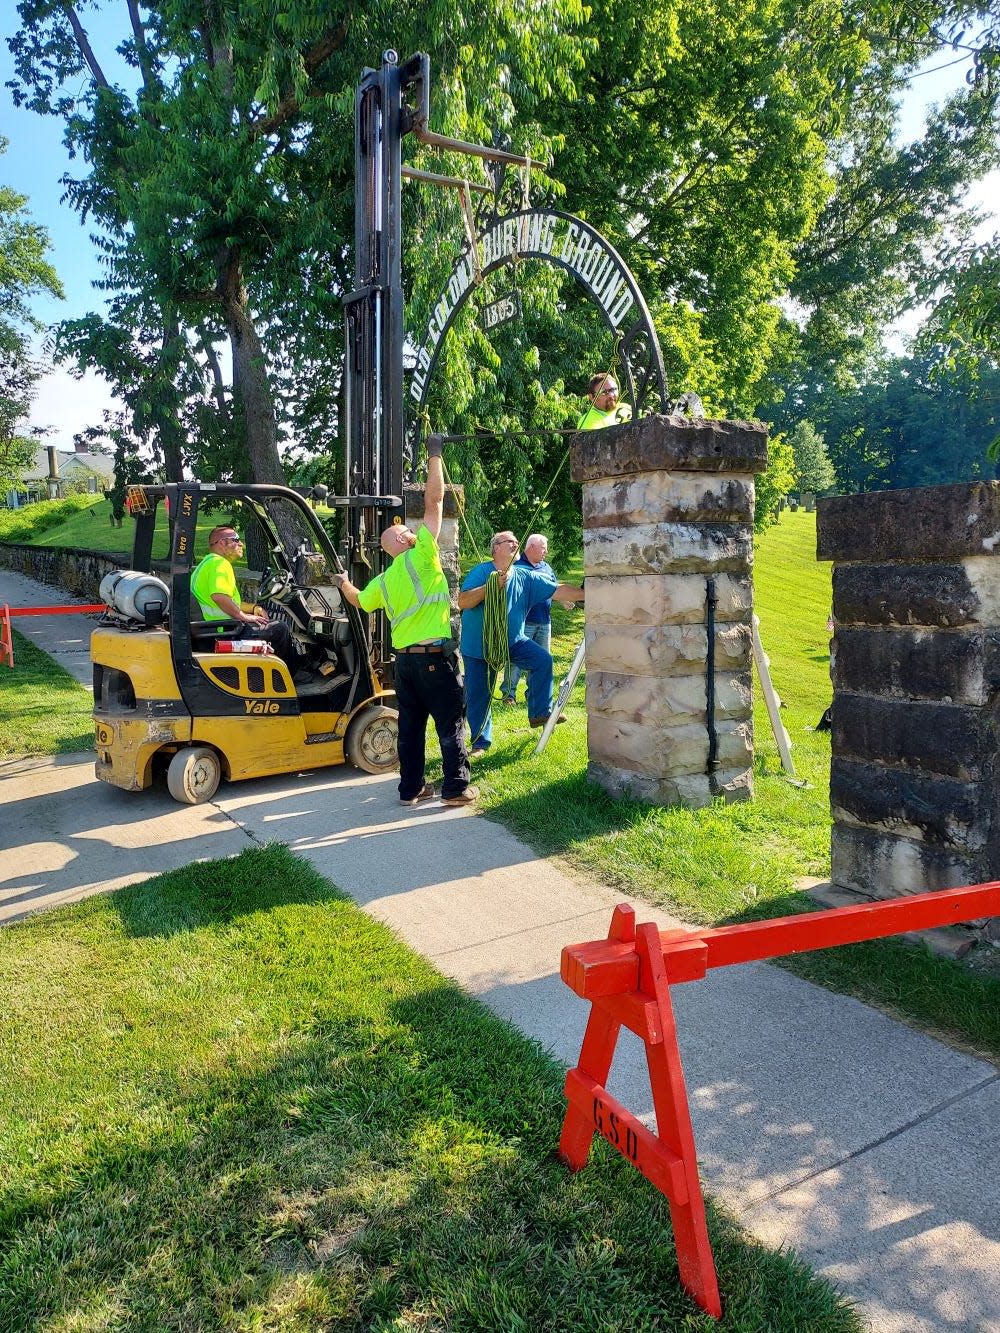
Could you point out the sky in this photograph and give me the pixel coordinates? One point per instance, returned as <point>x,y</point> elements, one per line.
<point>36,159</point>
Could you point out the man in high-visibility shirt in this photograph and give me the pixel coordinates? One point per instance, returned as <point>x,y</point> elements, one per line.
<point>213,586</point>
<point>413,592</point>
<point>604,409</point>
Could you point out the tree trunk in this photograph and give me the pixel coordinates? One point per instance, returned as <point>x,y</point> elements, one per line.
<point>168,427</point>
<point>251,389</point>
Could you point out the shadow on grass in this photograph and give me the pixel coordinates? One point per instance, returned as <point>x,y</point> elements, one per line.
<point>584,810</point>
<point>219,892</point>
<point>386,1168</point>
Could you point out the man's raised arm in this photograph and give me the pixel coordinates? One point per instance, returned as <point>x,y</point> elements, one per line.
<point>434,490</point>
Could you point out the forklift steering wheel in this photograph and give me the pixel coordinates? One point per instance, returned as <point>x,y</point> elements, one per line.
<point>274,583</point>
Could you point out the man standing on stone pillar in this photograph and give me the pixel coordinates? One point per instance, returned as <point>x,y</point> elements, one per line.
<point>605,409</point>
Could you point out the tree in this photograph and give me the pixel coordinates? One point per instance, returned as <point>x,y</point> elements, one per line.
<point>964,326</point>
<point>916,425</point>
<point>17,453</point>
<point>895,218</point>
<point>774,482</point>
<point>222,183</point>
<point>24,273</point>
<point>813,469</point>
<point>697,143</point>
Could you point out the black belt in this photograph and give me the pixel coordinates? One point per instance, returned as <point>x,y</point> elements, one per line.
<point>422,648</point>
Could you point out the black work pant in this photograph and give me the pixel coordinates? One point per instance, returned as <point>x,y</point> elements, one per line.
<point>279,636</point>
<point>430,685</point>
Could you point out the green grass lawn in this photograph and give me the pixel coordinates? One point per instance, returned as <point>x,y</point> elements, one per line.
<point>43,709</point>
<point>86,525</point>
<point>82,521</point>
<point>231,1100</point>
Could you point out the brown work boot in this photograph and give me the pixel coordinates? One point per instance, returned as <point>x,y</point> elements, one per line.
<point>541,721</point>
<point>467,797</point>
<point>426,793</point>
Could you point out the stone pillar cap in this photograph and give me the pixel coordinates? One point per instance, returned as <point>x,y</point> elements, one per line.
<point>669,444</point>
<point>925,523</point>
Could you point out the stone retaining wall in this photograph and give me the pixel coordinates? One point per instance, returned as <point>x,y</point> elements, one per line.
<point>80,572</point>
<point>667,504</point>
<point>73,570</point>
<point>915,772</point>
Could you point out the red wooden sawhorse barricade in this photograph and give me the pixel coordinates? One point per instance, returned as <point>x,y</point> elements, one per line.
<point>7,637</point>
<point>627,979</point>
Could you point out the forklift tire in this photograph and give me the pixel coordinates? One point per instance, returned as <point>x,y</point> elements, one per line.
<point>194,775</point>
<point>371,740</point>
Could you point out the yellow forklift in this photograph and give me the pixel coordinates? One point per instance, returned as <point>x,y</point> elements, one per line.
<point>171,694</point>
<point>168,696</point>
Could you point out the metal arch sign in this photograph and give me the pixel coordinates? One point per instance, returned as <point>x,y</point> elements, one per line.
<point>572,244</point>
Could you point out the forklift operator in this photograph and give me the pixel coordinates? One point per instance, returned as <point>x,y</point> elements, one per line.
<point>413,592</point>
<point>213,584</point>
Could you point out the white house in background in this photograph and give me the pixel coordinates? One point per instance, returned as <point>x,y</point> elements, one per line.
<point>54,472</point>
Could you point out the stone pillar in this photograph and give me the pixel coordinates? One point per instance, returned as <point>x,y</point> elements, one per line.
<point>915,773</point>
<point>667,504</point>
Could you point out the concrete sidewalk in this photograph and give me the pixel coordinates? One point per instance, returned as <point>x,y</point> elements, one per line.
<point>870,1149</point>
<point>64,637</point>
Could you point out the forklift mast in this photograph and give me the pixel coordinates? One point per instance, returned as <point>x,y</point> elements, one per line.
<point>373,320</point>
<point>389,103</point>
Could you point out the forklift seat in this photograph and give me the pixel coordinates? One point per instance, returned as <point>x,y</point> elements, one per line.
<point>344,640</point>
<point>206,632</point>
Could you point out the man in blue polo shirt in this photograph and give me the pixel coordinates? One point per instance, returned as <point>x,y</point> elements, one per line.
<point>523,588</point>
<point>538,620</point>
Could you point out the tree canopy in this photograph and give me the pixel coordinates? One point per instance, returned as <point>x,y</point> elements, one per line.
<point>740,157</point>
<point>25,273</point>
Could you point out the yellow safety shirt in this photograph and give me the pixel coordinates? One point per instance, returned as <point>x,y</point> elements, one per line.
<point>413,592</point>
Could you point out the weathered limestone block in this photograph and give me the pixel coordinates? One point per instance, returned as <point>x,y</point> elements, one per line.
<point>915,776</point>
<point>939,523</point>
<point>867,860</point>
<point>666,599</point>
<point>413,501</point>
<point>664,444</point>
<point>947,739</point>
<point>667,548</point>
<point>911,663</point>
<point>666,650</point>
<point>694,790</point>
<point>677,497</point>
<point>940,596</point>
<point>674,749</point>
<point>921,807</point>
<point>660,702</point>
